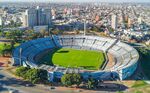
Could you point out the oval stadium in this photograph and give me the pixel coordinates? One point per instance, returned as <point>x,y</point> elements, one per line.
<point>100,57</point>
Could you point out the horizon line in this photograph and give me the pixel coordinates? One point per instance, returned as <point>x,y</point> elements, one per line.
<point>65,2</point>
<point>74,2</point>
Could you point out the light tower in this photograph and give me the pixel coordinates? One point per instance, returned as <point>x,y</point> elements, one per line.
<point>20,59</point>
<point>84,27</point>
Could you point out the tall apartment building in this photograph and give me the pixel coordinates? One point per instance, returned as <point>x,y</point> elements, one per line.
<point>37,17</point>
<point>114,22</point>
<point>129,22</point>
<point>139,20</point>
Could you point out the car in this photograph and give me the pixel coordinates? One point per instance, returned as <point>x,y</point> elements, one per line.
<point>13,91</point>
<point>28,85</point>
<point>52,87</point>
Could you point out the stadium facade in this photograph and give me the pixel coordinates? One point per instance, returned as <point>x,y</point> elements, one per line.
<point>126,57</point>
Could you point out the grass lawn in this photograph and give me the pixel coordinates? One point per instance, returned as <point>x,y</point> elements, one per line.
<point>66,57</point>
<point>139,87</point>
<point>139,84</point>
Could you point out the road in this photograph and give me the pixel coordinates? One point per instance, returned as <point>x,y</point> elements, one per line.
<point>8,81</point>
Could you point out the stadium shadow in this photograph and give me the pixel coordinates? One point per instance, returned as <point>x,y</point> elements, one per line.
<point>2,76</point>
<point>63,51</point>
<point>3,89</point>
<point>142,71</point>
<point>48,55</point>
<point>138,74</point>
<point>110,87</point>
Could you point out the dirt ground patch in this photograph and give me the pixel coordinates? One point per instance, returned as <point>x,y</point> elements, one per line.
<point>4,61</point>
<point>111,61</point>
<point>128,83</point>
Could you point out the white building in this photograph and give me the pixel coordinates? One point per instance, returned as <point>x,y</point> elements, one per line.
<point>40,28</point>
<point>1,21</point>
<point>147,42</point>
<point>139,20</point>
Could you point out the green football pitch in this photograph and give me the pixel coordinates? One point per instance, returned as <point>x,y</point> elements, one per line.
<point>67,57</point>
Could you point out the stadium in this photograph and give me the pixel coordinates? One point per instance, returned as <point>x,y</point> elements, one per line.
<point>87,55</point>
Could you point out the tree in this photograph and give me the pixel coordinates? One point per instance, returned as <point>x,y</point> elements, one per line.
<point>67,80</point>
<point>57,31</point>
<point>8,35</point>
<point>36,75</point>
<point>7,50</point>
<point>96,29</point>
<point>42,32</point>
<point>21,71</point>
<point>1,34</point>
<point>91,83</point>
<point>29,32</point>
<point>71,79</point>
<point>33,75</point>
<point>12,43</point>
<point>143,51</point>
<point>77,79</point>
<point>43,75</point>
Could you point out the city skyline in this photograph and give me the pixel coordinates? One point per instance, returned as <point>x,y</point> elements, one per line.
<point>75,1</point>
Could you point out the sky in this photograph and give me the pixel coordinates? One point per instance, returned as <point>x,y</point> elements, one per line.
<point>75,0</point>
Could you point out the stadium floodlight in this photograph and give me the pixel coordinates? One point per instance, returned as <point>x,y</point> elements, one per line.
<point>20,51</point>
<point>50,33</point>
<point>84,27</point>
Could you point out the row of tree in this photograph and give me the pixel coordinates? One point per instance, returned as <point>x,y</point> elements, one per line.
<point>71,79</point>
<point>32,75</point>
<point>68,80</point>
<point>76,79</point>
<point>6,49</point>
